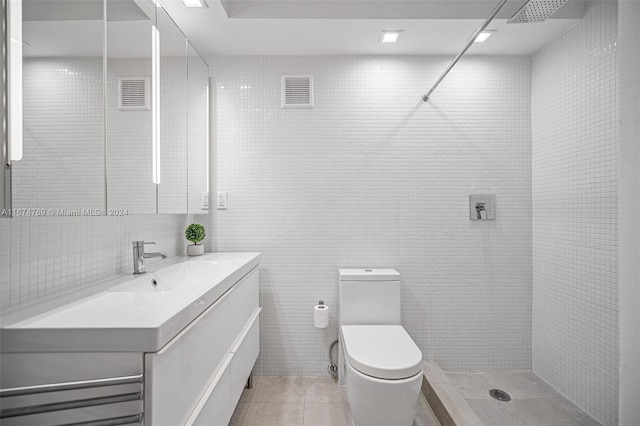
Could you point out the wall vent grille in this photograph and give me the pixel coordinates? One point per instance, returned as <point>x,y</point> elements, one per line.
<point>133,94</point>
<point>297,91</point>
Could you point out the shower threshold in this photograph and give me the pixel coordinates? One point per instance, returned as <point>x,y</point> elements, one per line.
<point>465,399</point>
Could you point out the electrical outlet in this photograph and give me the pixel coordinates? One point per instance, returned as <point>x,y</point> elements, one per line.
<point>221,202</point>
<point>204,200</point>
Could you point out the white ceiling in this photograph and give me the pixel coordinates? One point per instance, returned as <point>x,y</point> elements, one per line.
<point>285,27</point>
<point>327,27</point>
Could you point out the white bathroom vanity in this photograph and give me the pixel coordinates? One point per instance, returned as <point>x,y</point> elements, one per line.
<point>174,346</point>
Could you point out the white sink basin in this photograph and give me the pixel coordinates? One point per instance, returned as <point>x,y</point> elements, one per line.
<point>131,314</point>
<point>192,275</point>
<point>147,283</point>
<point>185,276</point>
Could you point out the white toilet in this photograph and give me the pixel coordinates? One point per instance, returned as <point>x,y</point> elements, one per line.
<point>382,364</point>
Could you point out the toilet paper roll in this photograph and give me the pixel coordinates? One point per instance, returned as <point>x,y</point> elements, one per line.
<point>321,316</point>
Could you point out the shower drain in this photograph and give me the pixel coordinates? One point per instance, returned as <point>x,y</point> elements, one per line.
<point>500,395</point>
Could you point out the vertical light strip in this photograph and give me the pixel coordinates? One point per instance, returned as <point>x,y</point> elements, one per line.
<point>208,132</point>
<point>105,117</point>
<point>14,112</point>
<point>157,96</point>
<point>155,102</point>
<point>4,98</point>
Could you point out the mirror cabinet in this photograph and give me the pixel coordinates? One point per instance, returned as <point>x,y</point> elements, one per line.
<point>172,188</point>
<point>197,129</point>
<point>114,111</point>
<point>129,114</point>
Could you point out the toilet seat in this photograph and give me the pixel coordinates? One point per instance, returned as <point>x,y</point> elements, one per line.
<point>381,351</point>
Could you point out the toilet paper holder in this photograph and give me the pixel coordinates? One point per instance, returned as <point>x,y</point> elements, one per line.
<point>320,315</point>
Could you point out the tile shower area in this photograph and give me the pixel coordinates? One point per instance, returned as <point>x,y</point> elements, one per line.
<point>533,402</point>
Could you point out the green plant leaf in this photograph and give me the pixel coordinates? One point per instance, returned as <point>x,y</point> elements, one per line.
<point>195,233</point>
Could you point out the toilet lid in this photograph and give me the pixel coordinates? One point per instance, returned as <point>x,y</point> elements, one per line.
<point>382,351</point>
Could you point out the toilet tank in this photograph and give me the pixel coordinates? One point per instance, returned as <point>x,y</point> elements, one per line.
<point>369,296</point>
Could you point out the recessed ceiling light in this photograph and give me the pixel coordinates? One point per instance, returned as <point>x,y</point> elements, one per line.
<point>195,3</point>
<point>483,36</point>
<point>389,36</point>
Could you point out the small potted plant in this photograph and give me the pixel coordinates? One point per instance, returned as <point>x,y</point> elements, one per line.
<point>195,234</point>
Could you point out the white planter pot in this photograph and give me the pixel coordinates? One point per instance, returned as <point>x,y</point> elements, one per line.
<point>195,249</point>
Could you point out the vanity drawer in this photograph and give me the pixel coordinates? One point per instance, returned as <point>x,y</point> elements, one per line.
<point>223,393</point>
<point>215,408</point>
<point>245,353</point>
<point>177,375</point>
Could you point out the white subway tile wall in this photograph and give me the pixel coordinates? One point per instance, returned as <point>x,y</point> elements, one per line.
<point>43,256</point>
<point>575,157</point>
<point>374,177</point>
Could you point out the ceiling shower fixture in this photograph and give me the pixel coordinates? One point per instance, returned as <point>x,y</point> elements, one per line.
<point>536,11</point>
<point>532,11</point>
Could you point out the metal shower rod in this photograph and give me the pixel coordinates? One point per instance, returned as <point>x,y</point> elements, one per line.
<point>481,28</point>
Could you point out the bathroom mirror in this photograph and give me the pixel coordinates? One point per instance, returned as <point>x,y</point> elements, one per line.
<point>172,165</point>
<point>114,111</point>
<point>129,115</point>
<point>62,169</point>
<point>198,130</point>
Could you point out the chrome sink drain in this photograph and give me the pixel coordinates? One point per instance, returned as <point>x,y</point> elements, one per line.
<point>500,395</point>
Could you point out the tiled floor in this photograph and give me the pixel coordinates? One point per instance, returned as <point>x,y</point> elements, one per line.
<point>302,401</point>
<point>533,402</point>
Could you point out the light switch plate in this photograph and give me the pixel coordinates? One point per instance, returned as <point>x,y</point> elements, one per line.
<point>482,206</point>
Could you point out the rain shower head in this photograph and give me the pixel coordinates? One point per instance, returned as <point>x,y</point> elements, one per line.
<point>536,11</point>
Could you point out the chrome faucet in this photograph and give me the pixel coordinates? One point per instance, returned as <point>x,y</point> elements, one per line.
<point>139,256</point>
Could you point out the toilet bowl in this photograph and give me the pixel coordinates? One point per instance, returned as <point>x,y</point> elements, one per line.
<point>382,364</point>
<point>383,374</point>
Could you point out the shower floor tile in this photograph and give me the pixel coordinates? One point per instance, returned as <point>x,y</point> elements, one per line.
<point>303,401</point>
<point>533,402</point>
